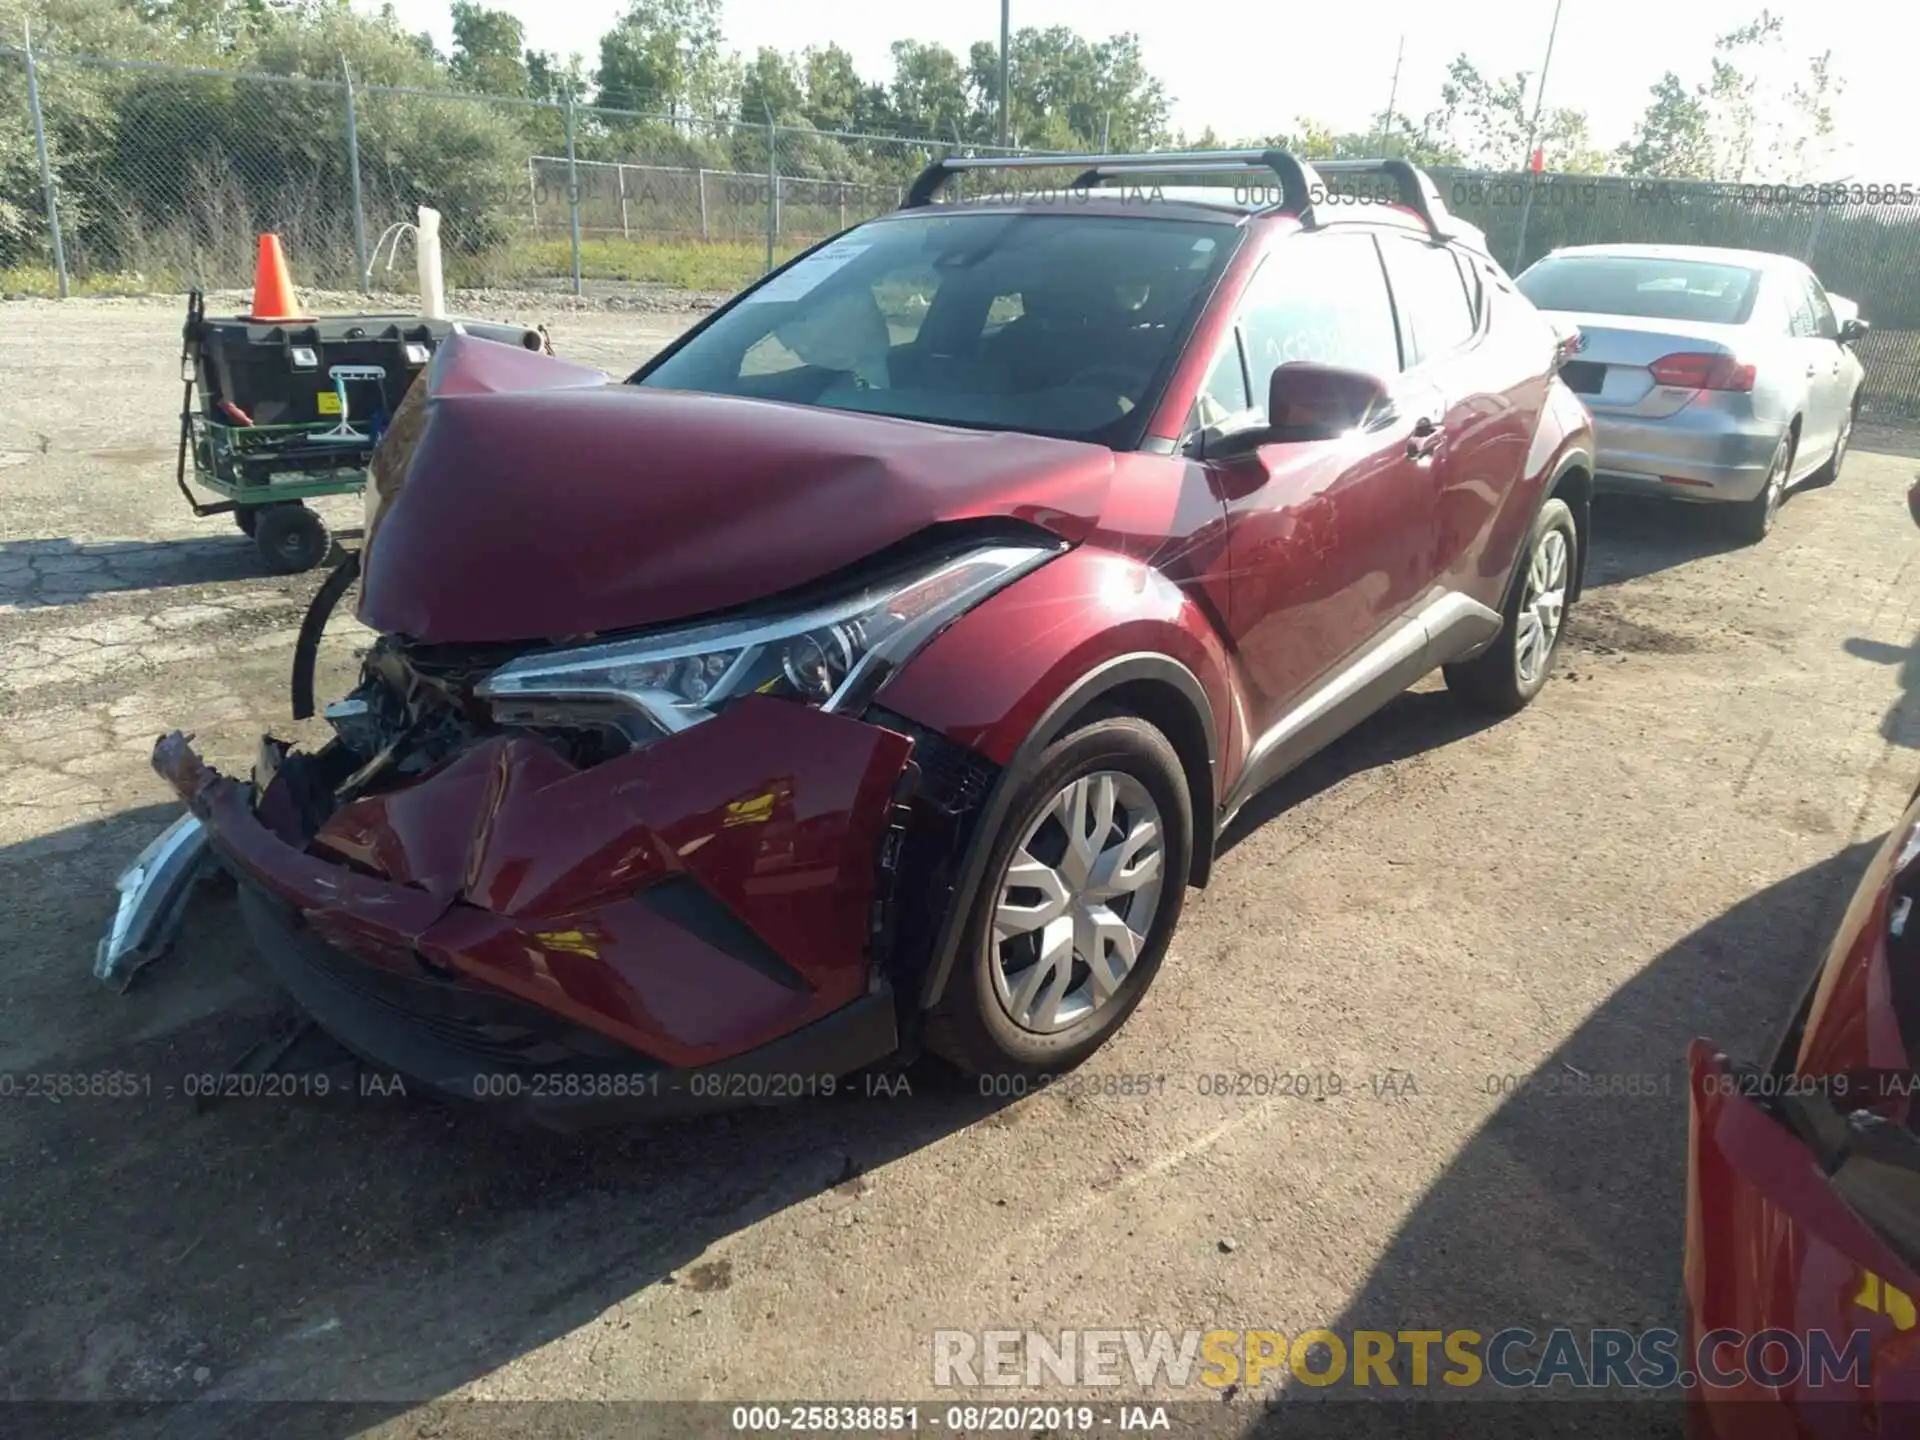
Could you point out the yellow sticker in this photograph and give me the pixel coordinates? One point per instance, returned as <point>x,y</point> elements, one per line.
<point>327,403</point>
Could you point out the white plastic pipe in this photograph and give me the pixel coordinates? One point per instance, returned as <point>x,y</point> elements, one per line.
<point>433,284</point>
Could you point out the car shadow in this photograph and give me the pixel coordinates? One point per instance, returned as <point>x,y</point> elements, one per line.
<point>1522,1229</point>
<point>1897,726</point>
<point>1409,725</point>
<point>185,1268</point>
<point>58,570</point>
<point>1635,536</point>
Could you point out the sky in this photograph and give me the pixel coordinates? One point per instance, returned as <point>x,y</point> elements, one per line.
<point>1255,70</point>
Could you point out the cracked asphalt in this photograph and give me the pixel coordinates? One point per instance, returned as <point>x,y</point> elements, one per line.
<point>1430,925</point>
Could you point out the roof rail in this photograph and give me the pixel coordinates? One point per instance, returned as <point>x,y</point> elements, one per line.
<point>1301,182</point>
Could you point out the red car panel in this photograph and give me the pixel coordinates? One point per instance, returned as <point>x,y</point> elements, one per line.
<point>796,493</point>
<point>1770,1245</point>
<point>775,810</point>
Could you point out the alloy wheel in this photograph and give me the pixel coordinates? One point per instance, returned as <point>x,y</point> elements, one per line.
<point>1777,482</point>
<point>1543,604</point>
<point>1077,902</point>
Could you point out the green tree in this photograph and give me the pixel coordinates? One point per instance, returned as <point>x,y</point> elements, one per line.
<point>1068,91</point>
<point>1674,135</point>
<point>1811,100</point>
<point>928,96</point>
<point>488,50</point>
<point>772,87</point>
<point>663,53</point>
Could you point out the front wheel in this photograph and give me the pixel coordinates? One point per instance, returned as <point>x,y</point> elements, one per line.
<point>1512,670</point>
<point>1083,888</point>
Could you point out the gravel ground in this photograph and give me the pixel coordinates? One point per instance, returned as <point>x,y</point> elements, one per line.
<point>1438,914</point>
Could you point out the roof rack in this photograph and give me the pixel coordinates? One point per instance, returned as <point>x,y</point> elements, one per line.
<point>1301,182</point>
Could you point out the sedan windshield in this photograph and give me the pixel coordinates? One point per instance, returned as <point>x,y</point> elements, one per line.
<point>1649,287</point>
<point>1054,324</point>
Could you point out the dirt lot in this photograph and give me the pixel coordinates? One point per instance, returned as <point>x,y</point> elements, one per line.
<point>1435,912</point>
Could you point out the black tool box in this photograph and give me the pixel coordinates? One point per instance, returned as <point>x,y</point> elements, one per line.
<point>279,372</point>
<point>280,412</point>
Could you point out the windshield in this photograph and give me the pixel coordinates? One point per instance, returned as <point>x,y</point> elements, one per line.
<point>1061,325</point>
<point>1644,286</point>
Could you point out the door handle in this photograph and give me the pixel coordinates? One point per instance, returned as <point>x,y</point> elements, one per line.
<point>1426,438</point>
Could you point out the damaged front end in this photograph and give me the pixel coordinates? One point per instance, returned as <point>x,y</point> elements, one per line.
<point>612,869</point>
<point>553,915</point>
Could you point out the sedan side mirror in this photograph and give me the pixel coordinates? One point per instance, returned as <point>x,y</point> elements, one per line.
<point>1852,330</point>
<point>1307,401</point>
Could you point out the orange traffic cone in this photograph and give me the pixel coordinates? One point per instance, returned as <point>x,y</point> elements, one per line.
<point>273,297</point>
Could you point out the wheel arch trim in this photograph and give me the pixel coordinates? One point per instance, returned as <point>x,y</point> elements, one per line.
<point>1150,667</point>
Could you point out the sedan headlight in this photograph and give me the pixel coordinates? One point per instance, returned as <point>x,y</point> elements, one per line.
<point>834,655</point>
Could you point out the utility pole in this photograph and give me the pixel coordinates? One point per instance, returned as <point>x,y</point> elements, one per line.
<point>1533,133</point>
<point>1006,35</point>
<point>1393,94</point>
<point>1540,91</point>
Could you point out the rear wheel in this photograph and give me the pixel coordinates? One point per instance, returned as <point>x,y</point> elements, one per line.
<point>1753,519</point>
<point>1511,671</point>
<point>1830,472</point>
<point>1083,889</point>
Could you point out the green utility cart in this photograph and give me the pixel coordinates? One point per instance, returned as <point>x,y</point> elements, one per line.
<point>280,412</point>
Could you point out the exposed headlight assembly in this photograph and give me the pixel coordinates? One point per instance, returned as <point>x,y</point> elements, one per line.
<point>834,656</point>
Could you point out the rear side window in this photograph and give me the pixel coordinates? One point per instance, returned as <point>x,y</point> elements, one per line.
<point>1320,298</point>
<point>1825,323</point>
<point>1436,314</point>
<point>1649,287</point>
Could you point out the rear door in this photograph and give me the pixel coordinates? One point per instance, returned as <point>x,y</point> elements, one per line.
<point>1327,539</point>
<point>1826,385</point>
<point>1491,393</point>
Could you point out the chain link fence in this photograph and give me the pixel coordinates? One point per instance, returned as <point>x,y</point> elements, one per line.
<point>120,175</point>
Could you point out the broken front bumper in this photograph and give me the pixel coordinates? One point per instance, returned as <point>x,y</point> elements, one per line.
<point>154,891</point>
<point>695,922</point>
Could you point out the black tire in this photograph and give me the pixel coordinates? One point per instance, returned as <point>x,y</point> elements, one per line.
<point>291,538</point>
<point>1752,520</point>
<point>1492,680</point>
<point>969,1026</point>
<point>1830,472</point>
<point>247,517</point>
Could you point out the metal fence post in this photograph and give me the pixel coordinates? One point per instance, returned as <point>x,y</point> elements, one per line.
<point>773,186</point>
<point>573,196</point>
<point>46,166</point>
<point>620,179</point>
<point>365,269</point>
<point>1526,212</point>
<point>700,179</point>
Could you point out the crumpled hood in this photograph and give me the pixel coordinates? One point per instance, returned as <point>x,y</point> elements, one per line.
<point>519,497</point>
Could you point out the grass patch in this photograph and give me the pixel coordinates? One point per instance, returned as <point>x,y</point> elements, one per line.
<point>40,280</point>
<point>720,267</point>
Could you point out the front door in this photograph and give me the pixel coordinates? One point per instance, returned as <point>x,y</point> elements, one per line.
<point>1327,540</point>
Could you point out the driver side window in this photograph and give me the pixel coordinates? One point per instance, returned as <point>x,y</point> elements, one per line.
<point>1825,323</point>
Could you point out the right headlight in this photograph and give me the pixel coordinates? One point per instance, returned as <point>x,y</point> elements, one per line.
<point>834,655</point>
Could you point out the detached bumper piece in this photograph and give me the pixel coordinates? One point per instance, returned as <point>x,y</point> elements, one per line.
<point>683,927</point>
<point>154,891</point>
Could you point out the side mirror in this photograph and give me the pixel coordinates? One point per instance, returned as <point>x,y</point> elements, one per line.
<point>1852,330</point>
<point>1306,401</point>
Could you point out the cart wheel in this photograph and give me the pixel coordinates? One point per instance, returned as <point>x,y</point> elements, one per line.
<point>246,517</point>
<point>290,538</point>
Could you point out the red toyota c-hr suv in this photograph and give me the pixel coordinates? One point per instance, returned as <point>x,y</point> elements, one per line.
<point>876,668</point>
